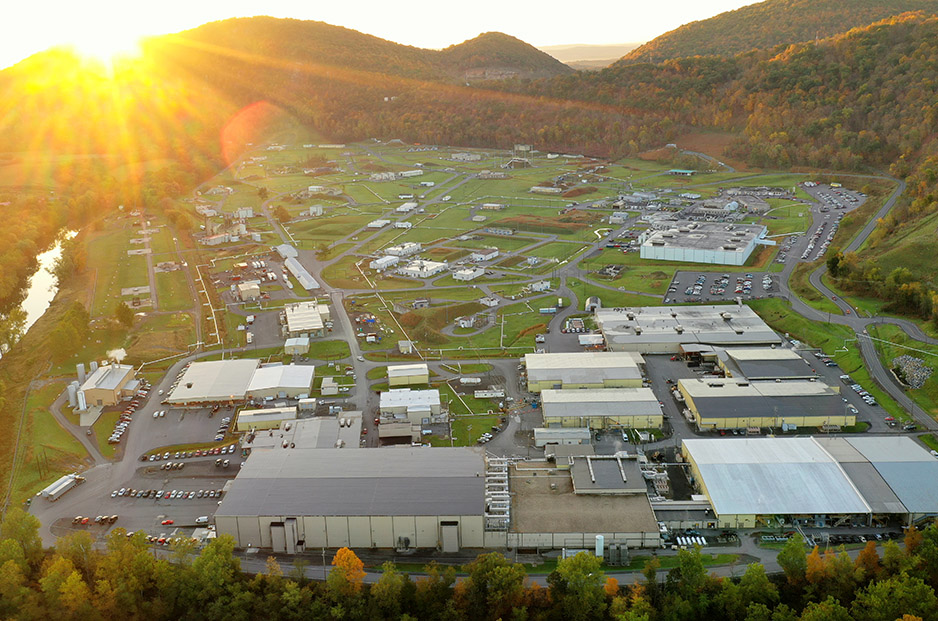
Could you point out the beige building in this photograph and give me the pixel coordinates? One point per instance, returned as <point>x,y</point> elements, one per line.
<point>105,386</point>
<point>268,418</point>
<point>636,408</point>
<point>583,370</point>
<point>301,499</point>
<point>250,290</point>
<point>408,375</point>
<point>399,404</point>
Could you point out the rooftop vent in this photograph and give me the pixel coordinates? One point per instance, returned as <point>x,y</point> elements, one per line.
<point>726,316</point>
<point>679,329</point>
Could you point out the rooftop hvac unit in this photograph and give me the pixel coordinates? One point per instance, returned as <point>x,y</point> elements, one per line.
<point>638,330</point>
<point>630,315</point>
<point>679,329</point>
<point>726,316</point>
<point>740,331</point>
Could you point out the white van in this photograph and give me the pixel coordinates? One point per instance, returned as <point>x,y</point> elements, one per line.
<point>202,520</point>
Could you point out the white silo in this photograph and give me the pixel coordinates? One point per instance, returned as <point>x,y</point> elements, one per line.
<point>81,372</point>
<point>82,404</point>
<point>600,544</point>
<point>94,366</point>
<point>73,394</point>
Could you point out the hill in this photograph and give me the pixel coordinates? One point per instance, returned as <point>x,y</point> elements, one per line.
<point>494,55</point>
<point>767,24</point>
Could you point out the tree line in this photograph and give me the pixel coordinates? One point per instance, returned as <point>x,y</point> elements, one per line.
<point>77,580</point>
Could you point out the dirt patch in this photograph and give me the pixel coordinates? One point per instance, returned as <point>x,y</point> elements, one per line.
<point>579,191</point>
<point>714,144</point>
<point>511,261</point>
<point>441,253</point>
<point>570,222</point>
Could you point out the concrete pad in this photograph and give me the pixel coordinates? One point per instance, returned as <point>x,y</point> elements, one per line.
<point>137,251</point>
<point>90,416</point>
<point>135,291</point>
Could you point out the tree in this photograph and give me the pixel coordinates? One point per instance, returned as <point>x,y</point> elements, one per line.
<point>262,193</point>
<point>386,592</point>
<point>124,314</point>
<point>576,587</point>
<point>793,560</point>
<point>913,539</point>
<point>281,213</point>
<point>494,587</point>
<point>868,561</point>
<point>23,528</point>
<point>347,575</point>
<point>828,610</point>
<point>756,587</point>
<point>887,600</point>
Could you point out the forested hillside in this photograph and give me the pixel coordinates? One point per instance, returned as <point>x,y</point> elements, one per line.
<point>767,24</point>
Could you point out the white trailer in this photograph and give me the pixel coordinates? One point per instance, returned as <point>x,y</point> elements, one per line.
<point>58,489</point>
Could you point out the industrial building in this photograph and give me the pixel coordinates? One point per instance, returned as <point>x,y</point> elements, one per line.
<point>486,254</point>
<point>250,290</point>
<point>382,263</point>
<point>719,403</point>
<point>663,329</point>
<point>306,318</point>
<point>216,381</point>
<point>763,363</point>
<point>636,408</point>
<point>404,498</point>
<point>267,418</point>
<point>408,374</point>
<point>293,381</point>
<point>583,370</point>
<point>468,273</point>
<point>399,404</point>
<point>318,432</point>
<point>561,436</point>
<point>423,269</point>
<point>109,384</point>
<point>299,272</point>
<point>817,482</point>
<point>296,346</point>
<point>404,250</point>
<point>713,243</point>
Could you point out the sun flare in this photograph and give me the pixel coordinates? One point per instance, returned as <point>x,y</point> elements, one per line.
<point>106,47</point>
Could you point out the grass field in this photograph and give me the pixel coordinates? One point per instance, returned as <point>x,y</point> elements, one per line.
<point>172,291</point>
<point>585,289</point>
<point>46,451</point>
<point>329,350</point>
<point>113,270</point>
<point>801,286</point>
<point>102,431</point>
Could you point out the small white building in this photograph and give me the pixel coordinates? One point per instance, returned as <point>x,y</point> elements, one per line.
<point>403,225</point>
<point>415,406</point>
<point>541,285</point>
<point>493,206</point>
<point>467,274</point>
<point>490,302</point>
<point>314,210</point>
<point>215,240</point>
<point>296,346</point>
<point>411,173</point>
<point>404,250</point>
<point>423,269</point>
<point>406,207</point>
<point>486,254</point>
<point>244,213</point>
<point>377,224</point>
<point>541,189</point>
<point>384,263</point>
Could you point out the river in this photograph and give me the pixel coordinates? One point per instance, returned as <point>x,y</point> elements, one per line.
<point>42,287</point>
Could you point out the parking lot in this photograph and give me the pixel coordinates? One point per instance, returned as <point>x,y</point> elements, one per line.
<point>702,287</point>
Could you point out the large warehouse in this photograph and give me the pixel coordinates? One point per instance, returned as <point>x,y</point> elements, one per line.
<point>408,374</point>
<point>284,381</point>
<point>296,499</point>
<point>416,406</point>
<point>836,481</point>
<point>601,409</point>
<point>305,319</point>
<point>729,403</point>
<point>216,381</point>
<point>763,363</point>
<point>714,243</point>
<point>583,370</point>
<point>663,329</point>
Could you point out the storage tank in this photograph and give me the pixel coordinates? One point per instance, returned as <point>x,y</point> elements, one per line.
<point>94,366</point>
<point>72,394</point>
<point>600,544</point>
<point>81,372</point>
<point>82,404</point>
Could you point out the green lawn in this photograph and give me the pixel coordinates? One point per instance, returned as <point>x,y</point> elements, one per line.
<point>102,431</point>
<point>172,291</point>
<point>927,395</point>
<point>329,350</point>
<point>46,451</point>
<point>586,289</point>
<point>113,269</point>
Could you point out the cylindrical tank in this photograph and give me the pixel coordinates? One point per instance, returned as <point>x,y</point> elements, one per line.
<point>600,544</point>
<point>82,404</point>
<point>93,366</point>
<point>72,395</point>
<point>81,372</point>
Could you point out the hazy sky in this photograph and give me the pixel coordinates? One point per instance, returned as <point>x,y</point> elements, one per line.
<point>29,26</point>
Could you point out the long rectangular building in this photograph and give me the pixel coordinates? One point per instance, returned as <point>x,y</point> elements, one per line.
<point>703,242</point>
<point>583,370</point>
<point>290,500</point>
<point>729,403</point>
<point>215,381</point>
<point>817,482</point>
<point>601,409</point>
<point>663,329</point>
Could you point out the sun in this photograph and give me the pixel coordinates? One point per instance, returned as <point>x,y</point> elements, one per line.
<point>106,47</point>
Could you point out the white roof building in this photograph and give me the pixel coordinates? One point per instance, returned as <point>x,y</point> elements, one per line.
<point>468,273</point>
<point>663,329</point>
<point>404,250</point>
<point>423,269</point>
<point>305,317</point>
<point>583,370</point>
<point>703,242</point>
<point>214,381</point>
<point>377,224</point>
<point>384,263</point>
<point>486,254</point>
<point>414,405</point>
<point>299,272</point>
<point>282,381</point>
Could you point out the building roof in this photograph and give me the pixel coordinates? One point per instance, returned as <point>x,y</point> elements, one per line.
<point>719,236</point>
<point>286,251</point>
<point>297,341</point>
<point>582,367</point>
<point>266,414</point>
<point>303,317</point>
<point>910,471</point>
<point>569,433</point>
<point>320,432</point>
<point>290,376</point>
<point>405,397</point>
<point>109,377</point>
<point>766,363</point>
<point>299,272</point>
<point>216,380</point>
<point>405,370</point>
<point>601,402</point>
<point>377,482</point>
<point>773,476</point>
<point>713,325</point>
<point>740,398</point>
<point>607,474</point>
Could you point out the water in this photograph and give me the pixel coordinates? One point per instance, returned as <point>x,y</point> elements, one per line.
<point>42,287</point>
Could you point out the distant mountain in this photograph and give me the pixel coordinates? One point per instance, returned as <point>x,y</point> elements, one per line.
<point>770,23</point>
<point>586,54</point>
<point>494,55</point>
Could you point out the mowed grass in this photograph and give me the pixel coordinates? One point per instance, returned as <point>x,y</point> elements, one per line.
<point>329,350</point>
<point>901,345</point>
<point>608,298</point>
<point>172,291</point>
<point>102,431</point>
<point>46,451</point>
<point>113,268</point>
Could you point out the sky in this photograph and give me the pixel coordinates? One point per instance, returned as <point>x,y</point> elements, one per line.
<point>100,26</point>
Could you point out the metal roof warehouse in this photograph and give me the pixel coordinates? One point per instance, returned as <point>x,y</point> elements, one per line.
<point>214,381</point>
